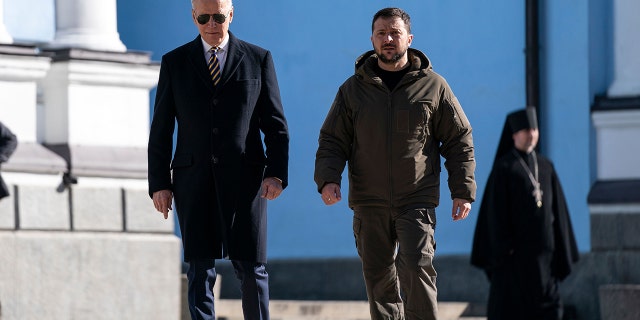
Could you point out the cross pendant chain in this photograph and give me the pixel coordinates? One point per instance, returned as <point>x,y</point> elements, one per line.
<point>537,191</point>
<point>537,194</point>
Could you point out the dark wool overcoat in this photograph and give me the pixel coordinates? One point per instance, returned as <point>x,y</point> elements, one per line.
<point>220,157</point>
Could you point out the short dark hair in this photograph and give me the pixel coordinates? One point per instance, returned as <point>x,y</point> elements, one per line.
<point>393,13</point>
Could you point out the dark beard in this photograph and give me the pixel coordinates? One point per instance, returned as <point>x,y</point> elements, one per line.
<point>395,58</point>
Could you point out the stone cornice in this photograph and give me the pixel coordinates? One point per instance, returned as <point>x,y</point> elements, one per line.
<point>615,192</point>
<point>103,161</point>
<point>104,72</point>
<point>22,63</point>
<point>31,157</point>
<point>603,103</point>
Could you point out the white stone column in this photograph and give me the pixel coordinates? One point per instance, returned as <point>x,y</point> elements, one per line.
<point>87,24</point>
<point>626,47</point>
<point>5,37</point>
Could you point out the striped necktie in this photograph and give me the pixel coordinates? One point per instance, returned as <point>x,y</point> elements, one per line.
<point>214,66</point>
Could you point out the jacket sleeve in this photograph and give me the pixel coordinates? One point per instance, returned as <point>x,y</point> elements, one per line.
<point>273,123</point>
<point>8,143</point>
<point>160,145</point>
<point>334,144</point>
<point>453,130</point>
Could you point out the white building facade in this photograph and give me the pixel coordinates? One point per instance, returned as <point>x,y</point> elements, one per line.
<point>79,236</point>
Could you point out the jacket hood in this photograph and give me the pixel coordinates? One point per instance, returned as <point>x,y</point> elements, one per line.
<point>419,60</point>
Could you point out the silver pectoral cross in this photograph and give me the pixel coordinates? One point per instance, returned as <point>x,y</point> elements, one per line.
<point>537,194</point>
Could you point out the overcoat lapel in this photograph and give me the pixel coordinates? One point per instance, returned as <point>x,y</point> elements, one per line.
<point>197,61</point>
<point>234,57</point>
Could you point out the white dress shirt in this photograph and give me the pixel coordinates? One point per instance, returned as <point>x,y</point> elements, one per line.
<point>221,54</point>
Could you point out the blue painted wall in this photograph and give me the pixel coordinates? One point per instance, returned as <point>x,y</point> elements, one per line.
<point>566,102</point>
<point>478,47</point>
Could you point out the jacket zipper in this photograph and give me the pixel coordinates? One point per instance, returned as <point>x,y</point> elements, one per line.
<point>389,146</point>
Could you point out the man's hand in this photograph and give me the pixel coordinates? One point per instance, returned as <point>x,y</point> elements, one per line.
<point>331,193</point>
<point>271,188</point>
<point>461,209</point>
<point>162,201</point>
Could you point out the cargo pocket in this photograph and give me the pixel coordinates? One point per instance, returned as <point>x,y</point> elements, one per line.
<point>357,225</point>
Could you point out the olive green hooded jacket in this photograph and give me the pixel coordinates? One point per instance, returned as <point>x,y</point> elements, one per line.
<point>392,140</point>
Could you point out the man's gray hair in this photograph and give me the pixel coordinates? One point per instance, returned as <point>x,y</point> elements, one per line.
<point>230,3</point>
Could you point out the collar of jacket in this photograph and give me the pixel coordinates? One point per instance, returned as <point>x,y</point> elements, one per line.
<point>419,60</point>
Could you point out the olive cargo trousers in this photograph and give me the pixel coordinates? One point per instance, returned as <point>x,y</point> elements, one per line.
<point>396,247</point>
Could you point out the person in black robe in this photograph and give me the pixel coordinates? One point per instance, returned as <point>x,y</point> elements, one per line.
<point>523,238</point>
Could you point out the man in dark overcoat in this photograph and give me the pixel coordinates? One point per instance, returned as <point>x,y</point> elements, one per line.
<point>223,95</point>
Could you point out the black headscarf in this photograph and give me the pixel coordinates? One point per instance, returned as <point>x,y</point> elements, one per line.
<point>517,120</point>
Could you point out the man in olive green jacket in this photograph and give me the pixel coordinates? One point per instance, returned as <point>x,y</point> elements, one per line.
<point>391,121</point>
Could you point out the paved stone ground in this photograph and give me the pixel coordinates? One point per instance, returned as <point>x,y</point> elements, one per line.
<point>323,285</point>
<point>330,310</point>
<point>231,309</point>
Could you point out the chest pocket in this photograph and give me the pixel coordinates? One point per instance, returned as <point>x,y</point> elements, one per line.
<point>413,120</point>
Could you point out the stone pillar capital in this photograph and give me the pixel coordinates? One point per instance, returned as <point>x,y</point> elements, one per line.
<point>87,24</point>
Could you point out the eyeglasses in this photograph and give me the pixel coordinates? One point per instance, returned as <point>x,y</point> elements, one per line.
<point>218,18</point>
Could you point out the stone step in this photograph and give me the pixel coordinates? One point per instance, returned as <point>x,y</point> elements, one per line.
<point>231,309</point>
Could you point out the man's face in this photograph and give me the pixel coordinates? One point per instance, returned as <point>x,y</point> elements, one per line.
<point>212,32</point>
<point>526,139</point>
<point>390,39</point>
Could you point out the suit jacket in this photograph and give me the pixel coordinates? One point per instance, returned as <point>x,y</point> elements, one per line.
<point>8,144</point>
<point>220,159</point>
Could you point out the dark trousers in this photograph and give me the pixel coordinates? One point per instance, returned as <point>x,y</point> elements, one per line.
<point>254,286</point>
